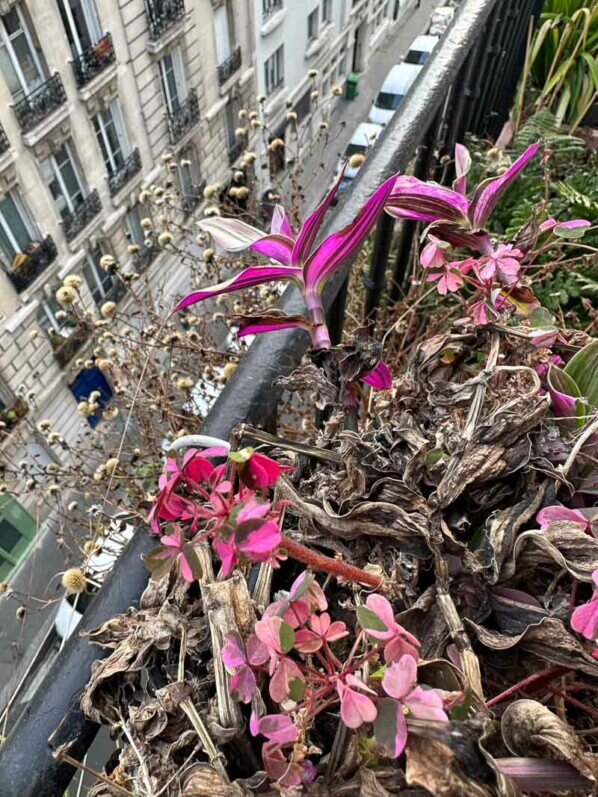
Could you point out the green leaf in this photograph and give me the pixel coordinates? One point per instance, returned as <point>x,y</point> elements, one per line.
<point>296,689</point>
<point>286,636</point>
<point>157,564</point>
<point>570,232</point>
<point>582,369</point>
<point>242,456</point>
<point>541,318</point>
<point>193,559</point>
<point>369,621</point>
<point>304,586</point>
<point>433,456</point>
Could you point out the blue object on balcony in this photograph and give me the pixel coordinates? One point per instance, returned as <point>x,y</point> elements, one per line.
<point>86,381</point>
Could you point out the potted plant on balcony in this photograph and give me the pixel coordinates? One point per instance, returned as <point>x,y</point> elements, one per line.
<point>408,597</point>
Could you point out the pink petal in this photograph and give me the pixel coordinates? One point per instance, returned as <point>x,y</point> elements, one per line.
<point>186,570</point>
<point>254,275</point>
<point>335,250</point>
<point>307,641</point>
<point>253,510</point>
<point>584,620</point>
<point>243,684</point>
<point>426,704</point>
<point>552,514</point>
<point>227,555</point>
<point>320,623</point>
<point>356,682</point>
<point>338,630</point>
<point>384,612</point>
<point>278,728</point>
<point>311,226</point>
<point>379,377</point>
<point>267,630</point>
<point>488,193</point>
<point>432,256</point>
<point>232,653</point>
<point>264,540</point>
<point>355,707</point>
<point>400,677</point>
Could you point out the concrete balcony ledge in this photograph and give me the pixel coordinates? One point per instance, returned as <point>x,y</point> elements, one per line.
<point>273,22</point>
<point>315,46</point>
<point>276,100</point>
<point>102,79</point>
<point>167,39</point>
<point>41,130</point>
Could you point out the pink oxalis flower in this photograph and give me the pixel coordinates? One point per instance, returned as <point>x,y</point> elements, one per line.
<point>377,620</point>
<point>584,618</point>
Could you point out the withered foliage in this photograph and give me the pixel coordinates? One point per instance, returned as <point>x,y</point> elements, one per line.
<point>439,489</point>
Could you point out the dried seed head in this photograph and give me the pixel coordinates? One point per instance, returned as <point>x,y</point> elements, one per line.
<point>212,210</point>
<point>72,506</point>
<point>312,73</point>
<point>242,192</point>
<point>275,144</point>
<point>208,255</point>
<point>315,94</point>
<point>228,370</point>
<point>74,581</point>
<point>44,425</point>
<point>66,295</point>
<point>83,408</point>
<point>33,333</point>
<point>164,239</point>
<point>111,465</point>
<point>166,156</point>
<point>144,196</point>
<point>356,160</point>
<point>292,116</point>
<point>323,126</point>
<point>242,114</point>
<point>337,91</point>
<point>146,223</point>
<point>108,309</point>
<point>106,261</point>
<point>20,612</point>
<point>184,383</point>
<point>72,281</point>
<point>241,132</point>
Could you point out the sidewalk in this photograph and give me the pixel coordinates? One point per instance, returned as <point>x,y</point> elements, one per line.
<point>348,114</point>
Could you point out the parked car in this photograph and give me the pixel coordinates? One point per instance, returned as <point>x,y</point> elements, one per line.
<point>420,50</point>
<point>363,138</point>
<point>396,84</point>
<point>440,19</point>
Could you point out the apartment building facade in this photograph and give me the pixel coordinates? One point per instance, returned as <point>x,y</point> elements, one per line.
<point>92,94</point>
<point>295,39</point>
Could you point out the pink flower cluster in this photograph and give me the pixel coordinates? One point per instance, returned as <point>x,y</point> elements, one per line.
<point>205,498</point>
<point>294,648</point>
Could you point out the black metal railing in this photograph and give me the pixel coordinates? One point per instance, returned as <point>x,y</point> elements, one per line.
<point>93,60</point>
<point>190,201</point>
<point>65,348</point>
<point>231,65</point>
<point>163,14</point>
<point>76,221</point>
<point>145,255</point>
<point>270,7</point>
<point>250,396</point>
<point>40,255</point>
<point>35,107</point>
<point>121,177</point>
<point>4,142</point>
<point>181,118</point>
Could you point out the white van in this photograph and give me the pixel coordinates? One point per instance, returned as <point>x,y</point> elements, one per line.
<point>420,50</point>
<point>363,138</point>
<point>440,19</point>
<point>397,83</point>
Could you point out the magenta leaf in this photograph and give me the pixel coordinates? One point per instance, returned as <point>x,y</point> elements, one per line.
<point>278,728</point>
<point>311,225</point>
<point>488,193</point>
<point>243,684</point>
<point>280,224</point>
<point>462,167</point>
<point>379,377</point>
<point>276,247</point>
<point>553,514</point>
<point>340,246</point>
<point>413,199</point>
<point>232,652</point>
<point>254,275</point>
<point>356,708</point>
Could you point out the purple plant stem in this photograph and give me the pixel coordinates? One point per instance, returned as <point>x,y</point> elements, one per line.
<point>547,675</point>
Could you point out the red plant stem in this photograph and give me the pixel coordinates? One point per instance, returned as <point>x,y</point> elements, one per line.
<point>327,564</point>
<point>546,676</point>
<point>574,702</point>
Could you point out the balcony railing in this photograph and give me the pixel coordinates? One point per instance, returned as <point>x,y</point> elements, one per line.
<point>270,7</point>
<point>228,67</point>
<point>81,216</point>
<point>12,415</point>
<point>4,142</point>
<point>35,107</point>
<point>145,256</point>
<point>162,14</point>
<point>93,60</point>
<point>65,348</point>
<point>28,266</point>
<point>183,117</point>
<point>191,200</point>
<point>470,58</point>
<point>130,168</point>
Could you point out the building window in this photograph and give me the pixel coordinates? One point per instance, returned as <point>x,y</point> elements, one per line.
<point>134,228</point>
<point>270,7</point>
<point>112,137</point>
<point>17,230</point>
<point>20,58</point>
<point>99,281</point>
<point>274,70</point>
<point>17,531</point>
<point>64,181</point>
<point>303,107</point>
<point>188,175</point>
<point>222,33</point>
<point>81,23</point>
<point>55,320</point>
<point>327,11</point>
<point>312,25</point>
<point>172,77</point>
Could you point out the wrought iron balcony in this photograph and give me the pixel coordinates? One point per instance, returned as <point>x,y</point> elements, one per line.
<point>183,117</point>
<point>270,7</point>
<point>145,256</point>
<point>162,14</point>
<point>121,177</point>
<point>65,348</point>
<point>4,142</point>
<point>191,200</point>
<point>35,107</point>
<point>91,61</point>
<point>81,216</point>
<point>228,68</point>
<point>27,268</point>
